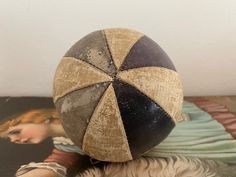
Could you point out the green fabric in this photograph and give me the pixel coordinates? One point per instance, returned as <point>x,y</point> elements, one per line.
<point>201,136</point>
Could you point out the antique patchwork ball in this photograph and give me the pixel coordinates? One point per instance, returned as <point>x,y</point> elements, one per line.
<point>118,94</point>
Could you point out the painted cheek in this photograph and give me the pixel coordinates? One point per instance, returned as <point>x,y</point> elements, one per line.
<point>26,134</point>
<point>32,135</point>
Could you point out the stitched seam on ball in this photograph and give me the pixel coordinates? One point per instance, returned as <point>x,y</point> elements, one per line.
<point>109,50</point>
<point>60,97</point>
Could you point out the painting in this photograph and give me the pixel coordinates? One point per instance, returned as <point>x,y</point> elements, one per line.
<point>33,142</point>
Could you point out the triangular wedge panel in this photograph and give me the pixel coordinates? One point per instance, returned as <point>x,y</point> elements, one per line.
<point>93,49</point>
<point>146,123</point>
<point>105,137</point>
<point>146,52</point>
<point>73,74</point>
<point>160,84</point>
<point>77,108</point>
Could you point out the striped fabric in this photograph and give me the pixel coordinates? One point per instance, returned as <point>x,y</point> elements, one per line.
<point>218,112</point>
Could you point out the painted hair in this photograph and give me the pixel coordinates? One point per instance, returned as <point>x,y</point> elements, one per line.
<point>36,116</point>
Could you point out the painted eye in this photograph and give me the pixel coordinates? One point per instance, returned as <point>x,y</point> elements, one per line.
<point>14,132</point>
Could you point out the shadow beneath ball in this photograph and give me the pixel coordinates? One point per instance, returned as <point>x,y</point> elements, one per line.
<point>176,166</point>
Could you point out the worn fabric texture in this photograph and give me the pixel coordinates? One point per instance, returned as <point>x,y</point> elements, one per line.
<point>174,166</point>
<point>134,66</point>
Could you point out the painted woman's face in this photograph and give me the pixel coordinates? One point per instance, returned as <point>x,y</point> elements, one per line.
<point>29,133</point>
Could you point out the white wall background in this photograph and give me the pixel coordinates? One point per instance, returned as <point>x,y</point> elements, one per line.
<point>199,36</point>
